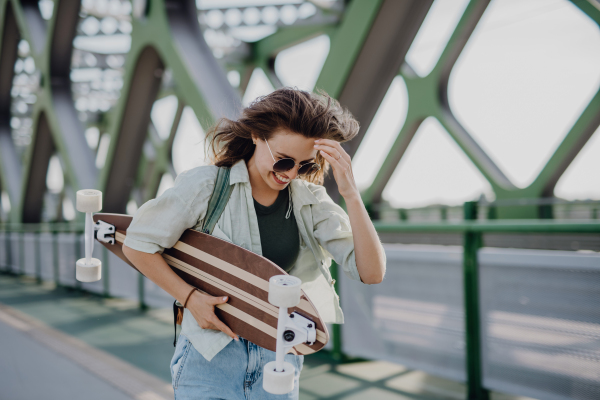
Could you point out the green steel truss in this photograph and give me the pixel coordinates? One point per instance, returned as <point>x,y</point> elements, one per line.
<point>369,41</point>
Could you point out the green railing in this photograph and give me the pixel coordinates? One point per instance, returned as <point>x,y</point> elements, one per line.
<point>471,228</point>
<point>472,231</point>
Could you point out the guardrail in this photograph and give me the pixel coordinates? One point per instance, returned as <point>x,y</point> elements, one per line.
<point>471,228</point>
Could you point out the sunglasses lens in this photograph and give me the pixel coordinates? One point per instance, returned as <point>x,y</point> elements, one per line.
<point>283,165</point>
<point>308,168</point>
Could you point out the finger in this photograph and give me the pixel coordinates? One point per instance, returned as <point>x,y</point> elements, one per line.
<point>218,300</point>
<point>336,145</point>
<point>330,150</point>
<point>223,328</point>
<point>334,163</point>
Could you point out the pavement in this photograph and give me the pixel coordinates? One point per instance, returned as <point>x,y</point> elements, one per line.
<point>60,342</point>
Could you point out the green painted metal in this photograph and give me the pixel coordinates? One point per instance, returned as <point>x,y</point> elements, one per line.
<point>582,130</point>
<point>427,98</point>
<point>471,228</point>
<point>472,243</point>
<point>55,257</point>
<point>284,38</point>
<point>494,226</point>
<point>336,333</point>
<point>153,31</point>
<point>345,45</point>
<point>141,298</point>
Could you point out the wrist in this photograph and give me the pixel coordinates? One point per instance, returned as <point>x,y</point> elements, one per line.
<point>188,297</point>
<point>352,198</point>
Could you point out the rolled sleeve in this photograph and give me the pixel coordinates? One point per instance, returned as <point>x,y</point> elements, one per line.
<point>159,223</point>
<point>333,231</point>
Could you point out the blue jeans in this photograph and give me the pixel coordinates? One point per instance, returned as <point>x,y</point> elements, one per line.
<point>235,373</point>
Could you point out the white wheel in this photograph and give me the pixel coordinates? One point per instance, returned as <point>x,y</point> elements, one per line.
<point>89,200</point>
<point>88,273</point>
<point>278,382</point>
<point>284,291</point>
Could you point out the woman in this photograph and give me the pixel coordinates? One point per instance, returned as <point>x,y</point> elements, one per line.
<point>279,150</point>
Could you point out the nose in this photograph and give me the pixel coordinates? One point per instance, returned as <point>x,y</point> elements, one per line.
<point>293,173</point>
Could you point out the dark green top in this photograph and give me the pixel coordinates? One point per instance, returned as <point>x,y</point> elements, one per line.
<point>279,236</point>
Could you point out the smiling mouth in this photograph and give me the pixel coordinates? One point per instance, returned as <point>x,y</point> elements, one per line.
<point>277,180</point>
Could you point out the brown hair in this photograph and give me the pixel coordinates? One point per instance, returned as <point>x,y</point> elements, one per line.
<point>309,114</point>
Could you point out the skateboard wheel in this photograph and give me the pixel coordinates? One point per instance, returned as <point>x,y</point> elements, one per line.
<point>284,291</point>
<point>89,200</point>
<point>88,273</point>
<point>278,382</point>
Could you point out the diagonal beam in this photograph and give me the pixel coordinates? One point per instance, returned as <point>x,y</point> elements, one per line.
<point>127,142</point>
<point>428,96</point>
<point>574,141</point>
<point>441,72</point>
<point>10,164</point>
<point>195,55</point>
<point>366,54</point>
<point>284,38</point>
<point>67,130</point>
<point>36,24</point>
<point>42,148</point>
<point>379,60</point>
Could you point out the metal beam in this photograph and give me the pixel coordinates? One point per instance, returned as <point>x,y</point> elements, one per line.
<point>365,56</point>
<point>10,164</point>
<point>127,142</point>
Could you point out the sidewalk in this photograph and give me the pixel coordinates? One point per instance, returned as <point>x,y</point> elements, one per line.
<point>61,343</point>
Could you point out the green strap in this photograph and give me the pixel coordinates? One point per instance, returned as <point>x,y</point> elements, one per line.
<point>218,200</point>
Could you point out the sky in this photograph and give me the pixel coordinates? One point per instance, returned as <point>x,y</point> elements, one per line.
<point>526,74</point>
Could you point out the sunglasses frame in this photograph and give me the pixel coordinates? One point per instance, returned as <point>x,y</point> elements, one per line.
<point>310,171</point>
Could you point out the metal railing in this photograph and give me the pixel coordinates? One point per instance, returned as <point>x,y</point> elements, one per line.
<point>471,228</point>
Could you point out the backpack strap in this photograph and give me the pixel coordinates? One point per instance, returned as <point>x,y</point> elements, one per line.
<point>218,200</point>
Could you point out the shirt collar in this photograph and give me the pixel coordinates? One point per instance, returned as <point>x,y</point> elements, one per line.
<point>301,194</point>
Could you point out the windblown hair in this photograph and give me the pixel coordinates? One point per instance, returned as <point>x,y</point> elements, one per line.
<point>309,114</point>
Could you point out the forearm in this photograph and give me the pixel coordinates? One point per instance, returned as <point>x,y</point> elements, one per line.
<point>155,268</point>
<point>368,251</point>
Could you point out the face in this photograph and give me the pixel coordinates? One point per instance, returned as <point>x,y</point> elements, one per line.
<point>283,144</point>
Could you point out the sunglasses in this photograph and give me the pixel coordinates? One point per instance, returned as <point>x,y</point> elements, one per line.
<point>285,164</point>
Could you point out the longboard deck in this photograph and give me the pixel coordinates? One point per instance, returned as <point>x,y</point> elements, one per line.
<point>221,268</point>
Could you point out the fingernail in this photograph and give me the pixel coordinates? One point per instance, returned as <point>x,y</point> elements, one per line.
<point>225,298</point>
<point>237,338</point>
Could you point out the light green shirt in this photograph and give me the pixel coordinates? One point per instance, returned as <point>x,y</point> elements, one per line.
<point>325,234</point>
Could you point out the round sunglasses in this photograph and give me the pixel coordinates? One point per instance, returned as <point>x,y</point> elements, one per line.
<point>285,164</point>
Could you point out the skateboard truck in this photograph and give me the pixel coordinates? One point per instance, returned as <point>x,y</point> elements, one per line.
<point>298,329</point>
<point>293,329</point>
<point>104,232</point>
<point>89,269</point>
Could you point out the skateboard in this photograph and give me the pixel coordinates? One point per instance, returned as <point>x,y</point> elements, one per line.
<point>265,306</point>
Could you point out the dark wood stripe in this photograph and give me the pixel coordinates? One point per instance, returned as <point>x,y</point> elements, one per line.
<point>229,253</point>
<point>219,273</point>
<point>251,333</point>
<point>234,300</point>
<point>235,281</point>
<point>232,254</point>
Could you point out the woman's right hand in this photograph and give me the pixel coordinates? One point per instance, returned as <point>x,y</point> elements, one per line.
<point>202,307</point>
